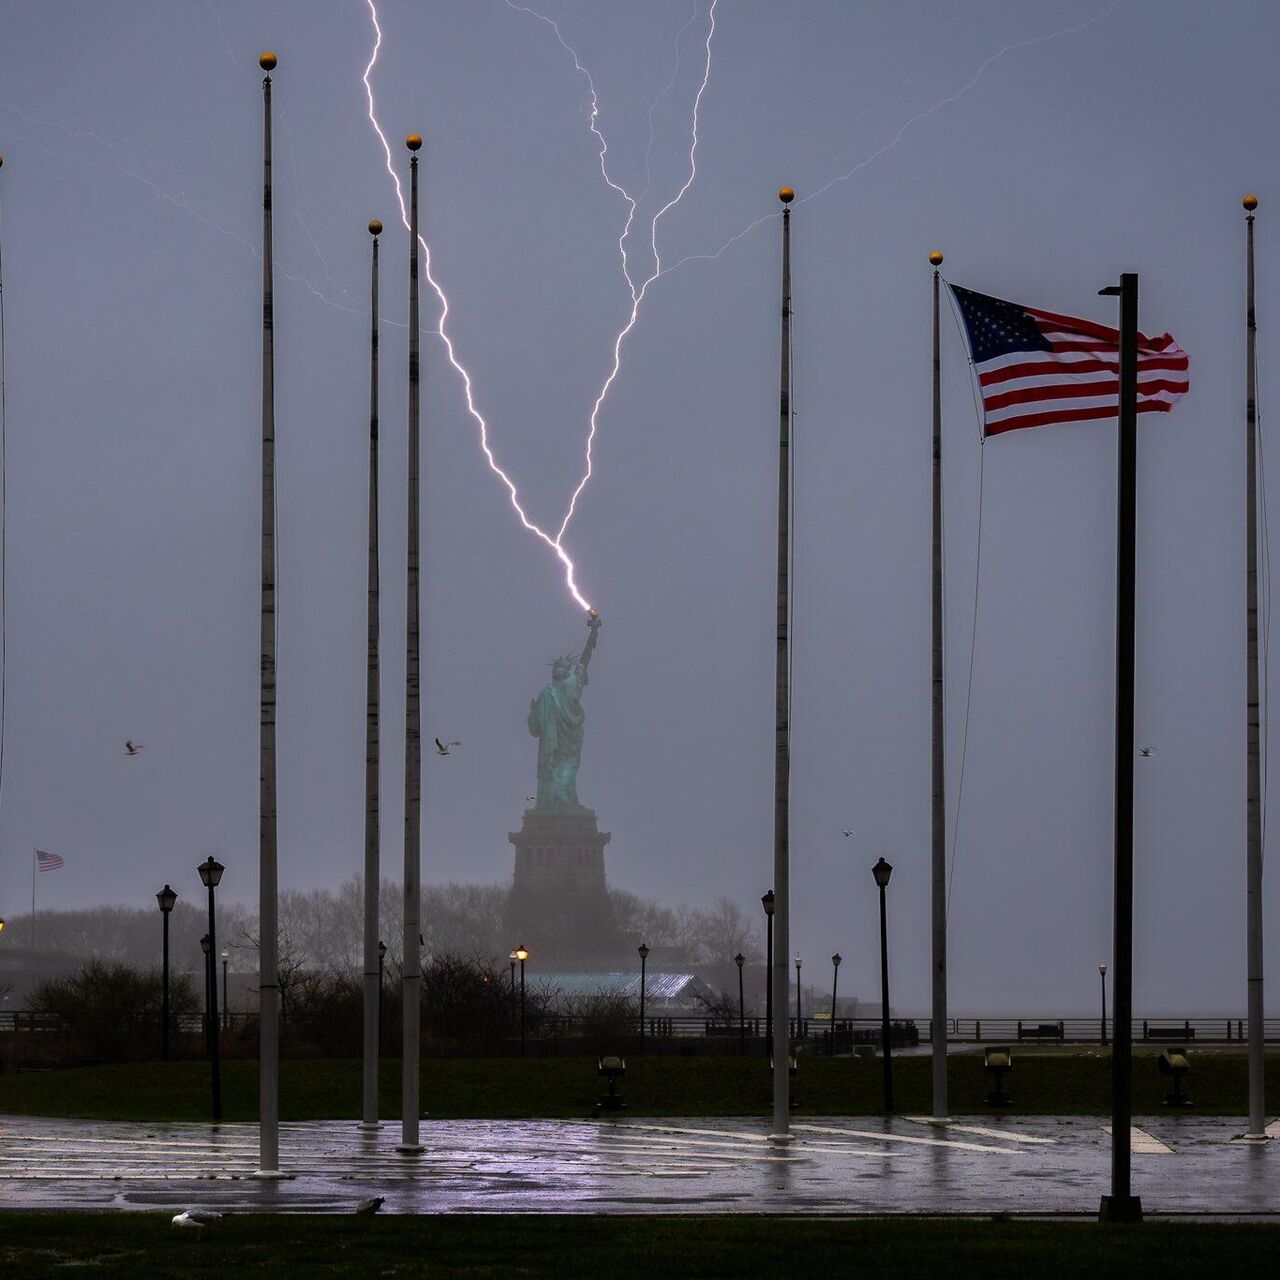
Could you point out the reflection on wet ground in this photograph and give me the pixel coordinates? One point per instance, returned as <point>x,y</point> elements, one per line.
<point>835,1165</point>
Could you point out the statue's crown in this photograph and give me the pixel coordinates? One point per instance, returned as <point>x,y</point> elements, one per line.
<point>565,660</point>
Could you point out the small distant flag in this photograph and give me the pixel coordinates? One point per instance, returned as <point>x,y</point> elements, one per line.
<point>1037,367</point>
<point>48,861</point>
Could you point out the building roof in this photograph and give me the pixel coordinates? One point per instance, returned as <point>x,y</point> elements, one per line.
<point>657,986</point>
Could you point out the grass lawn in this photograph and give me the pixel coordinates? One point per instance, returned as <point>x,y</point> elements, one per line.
<point>1045,1083</point>
<point>139,1245</point>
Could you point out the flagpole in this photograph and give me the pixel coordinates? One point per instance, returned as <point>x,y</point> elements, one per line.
<point>1121,1205</point>
<point>1253,802</point>
<point>268,976</point>
<point>782,719</point>
<point>938,820</point>
<point>410,961</point>
<point>372,870</point>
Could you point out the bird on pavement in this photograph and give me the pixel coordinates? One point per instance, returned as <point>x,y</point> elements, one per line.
<point>197,1218</point>
<point>367,1208</point>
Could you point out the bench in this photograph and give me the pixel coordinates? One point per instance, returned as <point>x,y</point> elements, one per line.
<point>1041,1031</point>
<point>1168,1035</point>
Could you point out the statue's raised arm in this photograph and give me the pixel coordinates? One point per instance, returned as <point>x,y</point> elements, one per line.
<point>593,625</point>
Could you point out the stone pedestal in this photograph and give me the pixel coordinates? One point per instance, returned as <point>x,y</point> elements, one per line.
<point>559,904</point>
<point>559,852</point>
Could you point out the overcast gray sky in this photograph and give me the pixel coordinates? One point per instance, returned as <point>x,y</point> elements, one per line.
<point>1106,137</point>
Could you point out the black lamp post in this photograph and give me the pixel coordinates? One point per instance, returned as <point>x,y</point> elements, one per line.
<point>382,961</point>
<point>166,898</point>
<point>226,1007</point>
<point>522,955</point>
<point>882,871</point>
<point>210,876</point>
<point>835,978</point>
<point>644,956</point>
<point>208,959</point>
<point>799,1010</point>
<point>1102,973</point>
<point>739,960</point>
<point>767,902</point>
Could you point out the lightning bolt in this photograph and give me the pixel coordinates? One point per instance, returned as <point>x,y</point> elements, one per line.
<point>637,291</point>
<point>898,136</point>
<point>443,331</point>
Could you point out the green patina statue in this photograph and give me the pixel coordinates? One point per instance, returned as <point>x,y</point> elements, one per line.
<point>556,719</point>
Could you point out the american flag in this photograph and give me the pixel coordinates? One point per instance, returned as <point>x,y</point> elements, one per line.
<point>1037,367</point>
<point>48,861</point>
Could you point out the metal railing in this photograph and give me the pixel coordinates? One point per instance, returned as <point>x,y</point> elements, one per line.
<point>850,1033</point>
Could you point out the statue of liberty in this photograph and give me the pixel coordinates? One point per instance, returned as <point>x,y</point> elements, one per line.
<point>556,719</point>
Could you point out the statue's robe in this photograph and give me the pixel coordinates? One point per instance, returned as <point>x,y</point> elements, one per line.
<point>556,719</point>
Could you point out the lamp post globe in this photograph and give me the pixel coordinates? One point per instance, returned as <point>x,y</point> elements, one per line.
<point>882,871</point>
<point>211,872</point>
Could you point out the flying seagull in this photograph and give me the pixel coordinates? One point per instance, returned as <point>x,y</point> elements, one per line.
<point>442,748</point>
<point>1146,752</point>
<point>132,748</point>
<point>850,833</point>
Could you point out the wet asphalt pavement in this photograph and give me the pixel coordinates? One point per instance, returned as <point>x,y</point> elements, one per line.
<point>858,1165</point>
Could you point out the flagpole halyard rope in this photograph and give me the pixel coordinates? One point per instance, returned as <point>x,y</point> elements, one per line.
<point>1266,611</point>
<point>977,582</point>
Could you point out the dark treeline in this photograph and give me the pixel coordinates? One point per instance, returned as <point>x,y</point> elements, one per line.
<point>321,929</point>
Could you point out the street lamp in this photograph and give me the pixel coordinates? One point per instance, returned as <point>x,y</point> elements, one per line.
<point>166,898</point>
<point>210,876</point>
<point>226,1008</point>
<point>382,960</point>
<point>1102,973</point>
<point>522,955</point>
<point>835,977</point>
<point>767,902</point>
<point>799,1011</point>
<point>644,956</point>
<point>739,960</point>
<point>882,871</point>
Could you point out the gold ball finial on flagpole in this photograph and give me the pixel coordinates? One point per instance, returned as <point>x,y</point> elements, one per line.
<point>375,228</point>
<point>267,61</point>
<point>935,259</point>
<point>1250,202</point>
<point>786,195</point>
<point>413,141</point>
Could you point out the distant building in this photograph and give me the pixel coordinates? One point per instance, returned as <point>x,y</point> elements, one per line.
<point>664,993</point>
